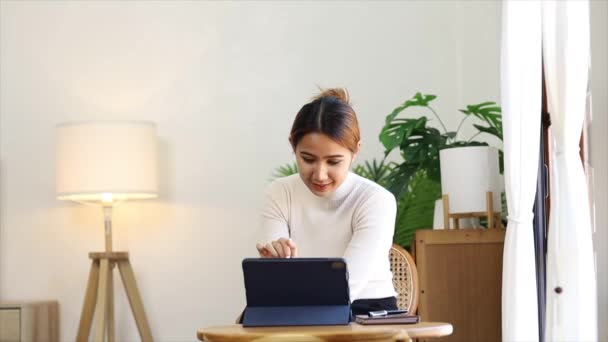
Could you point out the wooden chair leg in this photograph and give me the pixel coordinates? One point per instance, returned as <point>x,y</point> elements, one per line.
<point>100,307</point>
<point>88,308</point>
<point>110,325</point>
<point>128,279</point>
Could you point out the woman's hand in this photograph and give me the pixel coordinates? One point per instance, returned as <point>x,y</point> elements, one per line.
<point>281,248</point>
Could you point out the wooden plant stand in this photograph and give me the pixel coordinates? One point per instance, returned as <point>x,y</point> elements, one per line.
<point>493,216</point>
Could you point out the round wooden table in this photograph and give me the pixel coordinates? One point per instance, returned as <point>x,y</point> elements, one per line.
<point>352,332</point>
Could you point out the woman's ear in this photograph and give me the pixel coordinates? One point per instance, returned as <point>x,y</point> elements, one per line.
<point>356,153</point>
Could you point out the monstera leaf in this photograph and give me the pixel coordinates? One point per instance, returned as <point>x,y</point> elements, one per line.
<point>415,208</point>
<point>490,113</point>
<point>419,145</point>
<point>419,100</point>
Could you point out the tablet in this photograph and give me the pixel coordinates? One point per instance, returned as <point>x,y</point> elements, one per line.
<point>298,291</point>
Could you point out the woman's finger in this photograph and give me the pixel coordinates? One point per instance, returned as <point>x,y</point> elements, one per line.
<point>270,248</point>
<point>285,246</point>
<point>259,247</point>
<point>262,251</point>
<point>294,248</point>
<point>278,246</point>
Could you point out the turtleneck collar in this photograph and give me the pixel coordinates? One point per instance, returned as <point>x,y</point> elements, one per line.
<point>339,194</point>
<point>344,189</point>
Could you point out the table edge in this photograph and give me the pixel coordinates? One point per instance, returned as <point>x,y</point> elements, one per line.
<point>441,329</point>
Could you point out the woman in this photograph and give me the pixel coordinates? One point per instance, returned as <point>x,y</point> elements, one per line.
<point>327,211</point>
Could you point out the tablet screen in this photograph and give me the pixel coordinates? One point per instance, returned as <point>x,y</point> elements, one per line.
<point>296,282</point>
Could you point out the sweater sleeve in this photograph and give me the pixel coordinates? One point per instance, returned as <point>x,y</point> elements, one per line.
<point>275,213</point>
<point>373,229</point>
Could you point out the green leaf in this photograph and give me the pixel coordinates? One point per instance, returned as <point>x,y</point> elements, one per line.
<point>398,180</point>
<point>375,171</point>
<point>415,208</point>
<point>393,134</point>
<point>490,113</point>
<point>467,143</point>
<point>284,171</point>
<point>490,130</point>
<point>422,148</point>
<point>394,113</point>
<point>501,161</point>
<point>419,100</point>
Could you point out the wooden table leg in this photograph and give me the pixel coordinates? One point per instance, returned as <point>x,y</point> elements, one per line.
<point>88,308</point>
<point>100,308</point>
<point>128,279</point>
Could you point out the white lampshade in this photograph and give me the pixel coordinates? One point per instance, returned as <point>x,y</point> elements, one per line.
<point>106,161</point>
<point>467,173</point>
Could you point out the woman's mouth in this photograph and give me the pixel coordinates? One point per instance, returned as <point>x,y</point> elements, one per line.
<point>320,187</point>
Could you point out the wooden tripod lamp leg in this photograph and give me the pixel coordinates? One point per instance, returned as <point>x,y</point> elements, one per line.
<point>88,308</point>
<point>100,307</point>
<point>128,279</point>
<point>110,323</point>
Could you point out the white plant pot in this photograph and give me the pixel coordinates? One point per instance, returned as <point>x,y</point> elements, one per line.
<point>467,173</point>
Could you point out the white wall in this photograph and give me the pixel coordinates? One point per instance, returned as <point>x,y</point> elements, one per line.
<point>223,81</point>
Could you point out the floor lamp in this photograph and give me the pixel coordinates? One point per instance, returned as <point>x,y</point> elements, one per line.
<point>105,163</point>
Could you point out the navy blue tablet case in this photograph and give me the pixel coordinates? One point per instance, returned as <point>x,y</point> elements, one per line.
<point>298,291</point>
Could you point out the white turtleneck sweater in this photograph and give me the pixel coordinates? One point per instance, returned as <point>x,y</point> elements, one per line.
<point>355,222</point>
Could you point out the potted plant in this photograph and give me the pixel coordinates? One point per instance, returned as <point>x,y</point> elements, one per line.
<point>415,180</point>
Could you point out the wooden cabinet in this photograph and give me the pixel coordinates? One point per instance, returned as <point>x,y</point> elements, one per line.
<point>29,322</point>
<point>460,274</point>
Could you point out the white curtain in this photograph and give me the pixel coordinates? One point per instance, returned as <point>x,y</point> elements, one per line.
<point>521,102</point>
<point>571,280</point>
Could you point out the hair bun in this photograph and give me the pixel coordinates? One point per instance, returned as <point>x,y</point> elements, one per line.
<point>339,93</point>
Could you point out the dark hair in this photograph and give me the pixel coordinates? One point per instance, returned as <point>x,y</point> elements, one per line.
<point>329,113</point>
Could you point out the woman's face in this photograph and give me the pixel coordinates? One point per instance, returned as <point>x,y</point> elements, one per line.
<point>322,163</point>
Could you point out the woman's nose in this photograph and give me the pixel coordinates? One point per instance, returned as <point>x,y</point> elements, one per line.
<point>320,172</point>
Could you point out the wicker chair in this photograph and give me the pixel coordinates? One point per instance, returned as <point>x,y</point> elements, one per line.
<point>405,278</point>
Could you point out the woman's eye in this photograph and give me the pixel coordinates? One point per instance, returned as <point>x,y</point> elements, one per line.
<point>334,162</point>
<point>308,161</point>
